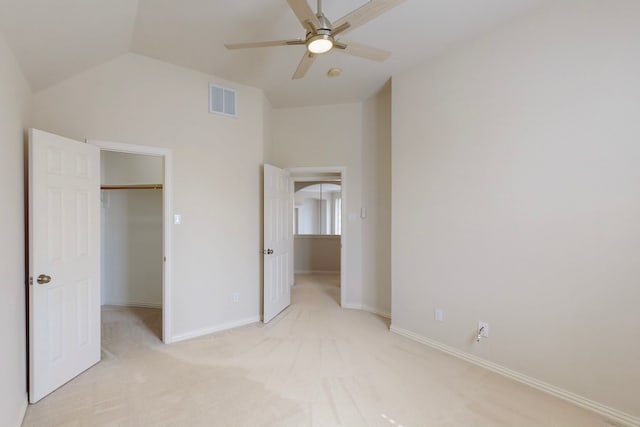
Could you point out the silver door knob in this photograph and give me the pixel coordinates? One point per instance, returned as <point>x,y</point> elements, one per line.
<point>268,252</point>
<point>43,279</point>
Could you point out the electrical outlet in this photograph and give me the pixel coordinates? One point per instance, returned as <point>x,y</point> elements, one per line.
<point>439,315</point>
<point>236,297</point>
<point>483,329</point>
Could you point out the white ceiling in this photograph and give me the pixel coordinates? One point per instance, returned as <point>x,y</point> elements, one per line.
<point>54,40</point>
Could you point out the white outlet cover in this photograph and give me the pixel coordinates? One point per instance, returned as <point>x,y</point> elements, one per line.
<point>439,315</point>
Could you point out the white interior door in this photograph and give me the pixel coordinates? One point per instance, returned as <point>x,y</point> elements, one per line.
<point>64,260</point>
<point>278,255</point>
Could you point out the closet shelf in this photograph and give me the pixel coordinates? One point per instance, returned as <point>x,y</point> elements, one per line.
<point>132,187</point>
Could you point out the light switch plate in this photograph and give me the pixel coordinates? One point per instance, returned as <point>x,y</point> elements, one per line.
<point>484,327</point>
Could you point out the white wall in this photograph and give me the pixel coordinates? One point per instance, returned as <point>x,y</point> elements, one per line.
<point>138,100</point>
<point>376,197</point>
<point>14,104</point>
<point>132,248</point>
<point>516,185</point>
<point>338,142</point>
<point>316,254</point>
<point>130,169</point>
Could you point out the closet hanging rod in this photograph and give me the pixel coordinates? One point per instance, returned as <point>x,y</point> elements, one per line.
<point>132,187</point>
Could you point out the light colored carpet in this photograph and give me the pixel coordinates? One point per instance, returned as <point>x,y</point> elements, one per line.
<point>314,365</point>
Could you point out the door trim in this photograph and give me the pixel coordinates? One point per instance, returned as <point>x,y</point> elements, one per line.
<point>342,170</point>
<point>167,294</point>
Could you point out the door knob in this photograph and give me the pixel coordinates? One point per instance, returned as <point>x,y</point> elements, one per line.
<point>43,279</point>
<point>268,252</point>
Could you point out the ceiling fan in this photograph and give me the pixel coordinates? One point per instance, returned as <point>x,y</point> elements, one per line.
<point>321,33</point>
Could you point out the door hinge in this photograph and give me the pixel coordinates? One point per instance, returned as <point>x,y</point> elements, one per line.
<point>31,281</point>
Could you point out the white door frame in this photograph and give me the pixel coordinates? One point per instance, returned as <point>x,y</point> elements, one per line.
<point>166,153</point>
<point>343,235</point>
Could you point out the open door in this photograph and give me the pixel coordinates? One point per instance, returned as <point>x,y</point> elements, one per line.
<point>277,242</point>
<point>64,260</point>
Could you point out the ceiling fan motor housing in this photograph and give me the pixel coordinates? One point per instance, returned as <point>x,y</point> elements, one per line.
<point>325,24</point>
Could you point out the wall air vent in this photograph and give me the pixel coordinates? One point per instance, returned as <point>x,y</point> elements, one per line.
<point>222,100</point>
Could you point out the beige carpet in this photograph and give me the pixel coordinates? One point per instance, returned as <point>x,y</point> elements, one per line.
<point>314,365</point>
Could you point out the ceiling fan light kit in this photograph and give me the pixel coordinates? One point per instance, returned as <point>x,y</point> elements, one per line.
<point>320,43</point>
<point>321,33</point>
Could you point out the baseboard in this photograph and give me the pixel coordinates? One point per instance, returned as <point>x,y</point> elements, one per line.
<point>606,411</point>
<point>368,309</point>
<point>134,304</point>
<point>217,328</point>
<point>379,312</point>
<point>316,272</point>
<point>22,410</point>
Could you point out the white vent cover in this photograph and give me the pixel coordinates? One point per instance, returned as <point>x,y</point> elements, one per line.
<point>222,100</point>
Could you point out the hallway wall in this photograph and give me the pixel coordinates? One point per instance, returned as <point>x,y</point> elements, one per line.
<point>316,254</point>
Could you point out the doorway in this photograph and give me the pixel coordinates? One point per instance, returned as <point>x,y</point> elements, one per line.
<point>131,237</point>
<point>320,227</point>
<point>136,215</point>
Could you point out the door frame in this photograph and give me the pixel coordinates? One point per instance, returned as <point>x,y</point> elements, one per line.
<point>310,171</point>
<point>167,294</point>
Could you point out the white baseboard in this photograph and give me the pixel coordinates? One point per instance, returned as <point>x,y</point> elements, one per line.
<point>22,410</point>
<point>379,312</point>
<point>316,272</point>
<point>367,308</point>
<point>134,304</point>
<point>606,411</point>
<point>217,328</point>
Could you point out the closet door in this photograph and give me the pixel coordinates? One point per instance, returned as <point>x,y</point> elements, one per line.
<point>64,260</point>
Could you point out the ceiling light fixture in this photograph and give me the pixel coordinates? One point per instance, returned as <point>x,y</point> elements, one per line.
<point>320,43</point>
<point>334,72</point>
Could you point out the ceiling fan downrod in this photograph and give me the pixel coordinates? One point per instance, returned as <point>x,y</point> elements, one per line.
<point>325,24</point>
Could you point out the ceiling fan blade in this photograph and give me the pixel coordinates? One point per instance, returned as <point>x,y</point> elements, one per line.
<point>366,13</point>
<point>341,29</point>
<point>263,44</point>
<point>362,51</point>
<point>304,13</point>
<point>305,64</point>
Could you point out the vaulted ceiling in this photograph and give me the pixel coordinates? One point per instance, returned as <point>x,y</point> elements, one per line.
<point>54,40</point>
